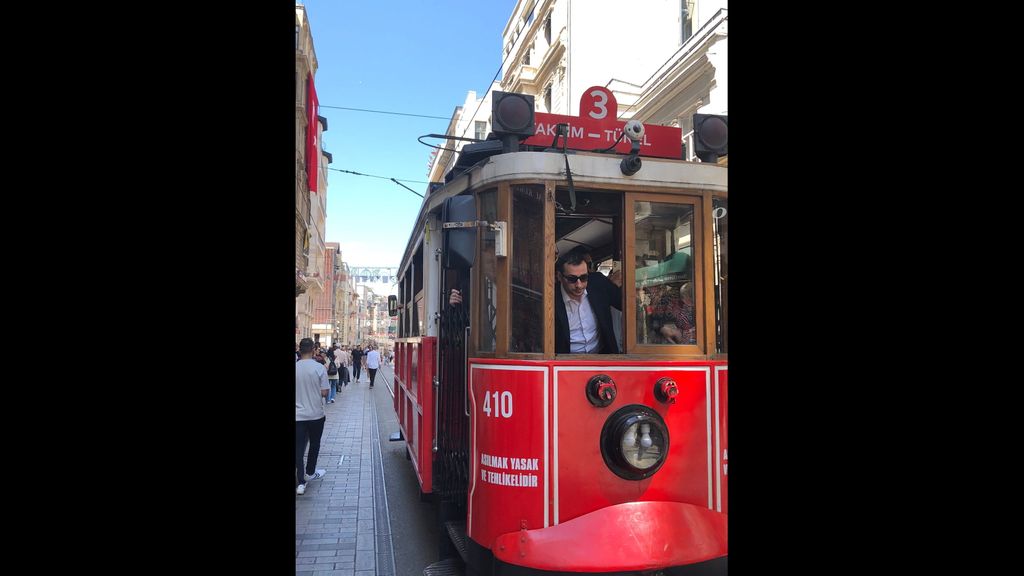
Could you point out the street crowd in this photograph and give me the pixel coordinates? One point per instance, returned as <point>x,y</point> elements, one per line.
<point>320,374</point>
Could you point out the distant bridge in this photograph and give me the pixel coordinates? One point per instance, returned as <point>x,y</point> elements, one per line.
<point>383,274</point>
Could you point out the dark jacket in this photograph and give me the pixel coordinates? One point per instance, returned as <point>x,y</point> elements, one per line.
<point>602,295</point>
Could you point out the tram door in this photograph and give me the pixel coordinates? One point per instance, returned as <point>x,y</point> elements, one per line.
<point>451,460</point>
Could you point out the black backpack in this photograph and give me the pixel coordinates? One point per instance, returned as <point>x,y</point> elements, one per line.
<point>332,370</point>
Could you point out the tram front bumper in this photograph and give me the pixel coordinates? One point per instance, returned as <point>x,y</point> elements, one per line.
<point>630,537</point>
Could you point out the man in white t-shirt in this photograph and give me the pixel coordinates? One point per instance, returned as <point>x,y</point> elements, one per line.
<point>311,387</point>
<point>372,363</point>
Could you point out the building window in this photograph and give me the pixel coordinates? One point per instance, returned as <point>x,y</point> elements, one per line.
<point>547,98</point>
<point>547,29</point>
<point>526,58</point>
<point>688,7</point>
<point>481,130</point>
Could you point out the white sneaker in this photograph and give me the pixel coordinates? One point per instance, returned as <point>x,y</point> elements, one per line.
<point>301,489</point>
<point>317,475</point>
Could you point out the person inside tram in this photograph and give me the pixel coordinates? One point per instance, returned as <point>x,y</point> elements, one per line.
<point>673,316</point>
<point>587,329</point>
<point>454,297</point>
<point>583,303</point>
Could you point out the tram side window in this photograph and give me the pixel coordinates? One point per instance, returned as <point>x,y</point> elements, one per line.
<point>665,311</point>
<point>488,310</point>
<point>417,294</point>
<point>407,302</point>
<point>527,310</point>
<point>401,309</point>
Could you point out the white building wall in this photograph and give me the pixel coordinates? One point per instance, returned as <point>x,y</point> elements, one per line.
<point>591,42</point>
<point>635,48</point>
<point>618,38</point>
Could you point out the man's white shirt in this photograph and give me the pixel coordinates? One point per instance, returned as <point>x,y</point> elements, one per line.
<point>582,324</point>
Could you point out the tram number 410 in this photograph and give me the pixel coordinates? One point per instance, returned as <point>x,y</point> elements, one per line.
<point>502,406</point>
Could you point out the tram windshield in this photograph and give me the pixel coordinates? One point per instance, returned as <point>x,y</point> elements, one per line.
<point>655,271</point>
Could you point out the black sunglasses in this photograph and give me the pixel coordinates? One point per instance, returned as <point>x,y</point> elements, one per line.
<point>572,279</point>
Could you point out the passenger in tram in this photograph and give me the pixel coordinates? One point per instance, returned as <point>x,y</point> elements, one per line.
<point>674,317</point>
<point>615,277</point>
<point>588,330</point>
<point>455,297</point>
<point>583,320</point>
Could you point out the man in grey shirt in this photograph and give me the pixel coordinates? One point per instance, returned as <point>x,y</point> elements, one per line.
<point>311,388</point>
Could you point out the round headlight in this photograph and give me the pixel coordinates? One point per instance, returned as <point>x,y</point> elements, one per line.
<point>634,442</point>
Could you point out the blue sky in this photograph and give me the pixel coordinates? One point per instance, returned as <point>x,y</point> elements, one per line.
<point>409,56</point>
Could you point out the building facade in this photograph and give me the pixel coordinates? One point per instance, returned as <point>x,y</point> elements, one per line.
<point>310,184</point>
<point>325,306</point>
<point>305,70</point>
<point>664,60</point>
<point>345,297</point>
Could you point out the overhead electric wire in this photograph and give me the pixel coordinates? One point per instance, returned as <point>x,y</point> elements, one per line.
<point>395,180</point>
<point>460,137</point>
<point>384,112</point>
<point>407,188</point>
<point>375,176</point>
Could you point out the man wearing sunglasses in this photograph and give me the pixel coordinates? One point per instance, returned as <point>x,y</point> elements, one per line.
<point>583,320</point>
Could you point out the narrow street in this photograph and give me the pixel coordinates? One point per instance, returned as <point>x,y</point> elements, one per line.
<point>413,530</point>
<point>365,518</point>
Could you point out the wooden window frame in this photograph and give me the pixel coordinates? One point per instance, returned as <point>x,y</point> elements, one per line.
<point>700,259</point>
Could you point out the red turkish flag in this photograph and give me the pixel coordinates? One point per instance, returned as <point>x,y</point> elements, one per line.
<point>312,150</point>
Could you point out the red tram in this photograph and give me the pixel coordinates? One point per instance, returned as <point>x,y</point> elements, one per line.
<point>542,461</point>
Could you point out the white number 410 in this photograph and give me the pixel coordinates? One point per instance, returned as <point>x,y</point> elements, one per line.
<point>505,408</point>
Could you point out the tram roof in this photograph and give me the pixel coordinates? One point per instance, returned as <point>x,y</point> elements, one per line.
<point>587,169</point>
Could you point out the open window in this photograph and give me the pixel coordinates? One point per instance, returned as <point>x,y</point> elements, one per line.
<point>593,220</point>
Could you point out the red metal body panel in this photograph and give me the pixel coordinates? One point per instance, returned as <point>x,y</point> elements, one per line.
<point>636,536</point>
<point>580,499</point>
<point>582,481</point>
<point>414,403</point>
<point>509,447</point>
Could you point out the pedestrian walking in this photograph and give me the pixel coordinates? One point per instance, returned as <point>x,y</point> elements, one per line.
<point>357,359</point>
<point>332,379</point>
<point>346,359</point>
<point>311,388</point>
<point>372,363</point>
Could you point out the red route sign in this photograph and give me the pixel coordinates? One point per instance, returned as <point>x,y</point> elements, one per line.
<point>596,128</point>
